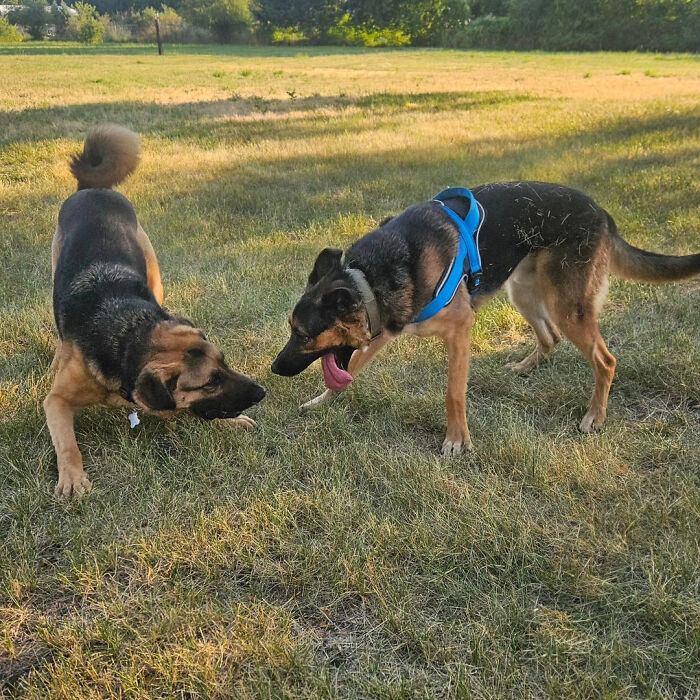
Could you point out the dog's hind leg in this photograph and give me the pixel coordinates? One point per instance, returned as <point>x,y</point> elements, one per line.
<point>526,294</point>
<point>56,357</point>
<point>359,360</point>
<point>152,268</point>
<point>576,304</point>
<point>586,337</point>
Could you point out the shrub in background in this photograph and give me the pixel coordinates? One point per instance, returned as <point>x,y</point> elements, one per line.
<point>310,18</point>
<point>8,32</point>
<point>488,32</point>
<point>116,31</point>
<point>143,24</point>
<point>86,26</point>
<point>227,20</point>
<point>289,36</point>
<point>346,34</point>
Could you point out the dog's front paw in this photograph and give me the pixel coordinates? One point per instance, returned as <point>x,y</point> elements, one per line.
<point>327,395</point>
<point>72,483</point>
<point>454,448</point>
<point>522,367</point>
<point>591,422</point>
<point>240,422</point>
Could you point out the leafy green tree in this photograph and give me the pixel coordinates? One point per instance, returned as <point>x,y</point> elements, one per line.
<point>59,15</point>
<point>32,16</point>
<point>313,17</point>
<point>226,19</point>
<point>425,21</point>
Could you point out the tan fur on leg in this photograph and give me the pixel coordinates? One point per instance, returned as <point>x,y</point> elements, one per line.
<point>152,268</point>
<point>459,354</point>
<point>576,306</point>
<point>454,325</point>
<point>527,295</point>
<point>73,387</point>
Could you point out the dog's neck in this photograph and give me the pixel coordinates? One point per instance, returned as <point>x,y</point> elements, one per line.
<point>393,310</point>
<point>134,343</point>
<point>369,299</point>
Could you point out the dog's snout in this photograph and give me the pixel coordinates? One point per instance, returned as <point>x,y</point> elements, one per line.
<point>258,393</point>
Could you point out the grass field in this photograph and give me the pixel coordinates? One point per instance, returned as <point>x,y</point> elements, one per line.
<point>336,554</point>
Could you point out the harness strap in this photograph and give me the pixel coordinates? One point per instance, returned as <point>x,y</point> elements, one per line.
<point>370,301</point>
<point>468,252</point>
<point>468,227</point>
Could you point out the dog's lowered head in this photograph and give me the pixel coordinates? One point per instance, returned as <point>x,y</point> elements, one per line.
<point>183,370</point>
<point>329,319</point>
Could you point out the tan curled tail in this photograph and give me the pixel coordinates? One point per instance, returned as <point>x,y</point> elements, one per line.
<point>110,154</point>
<point>641,265</point>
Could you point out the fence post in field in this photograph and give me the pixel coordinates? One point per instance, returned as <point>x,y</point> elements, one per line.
<point>160,43</point>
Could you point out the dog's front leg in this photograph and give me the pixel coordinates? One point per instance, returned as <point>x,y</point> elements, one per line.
<point>459,353</point>
<point>72,479</point>
<point>359,360</point>
<point>327,395</point>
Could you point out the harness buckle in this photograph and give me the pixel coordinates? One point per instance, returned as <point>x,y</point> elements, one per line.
<point>473,281</point>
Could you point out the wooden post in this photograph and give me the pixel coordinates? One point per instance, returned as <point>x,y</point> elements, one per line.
<point>160,43</point>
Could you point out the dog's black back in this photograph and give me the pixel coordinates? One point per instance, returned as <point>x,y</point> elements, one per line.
<point>520,217</point>
<point>100,284</point>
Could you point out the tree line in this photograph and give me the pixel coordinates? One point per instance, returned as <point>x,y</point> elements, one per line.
<point>648,25</point>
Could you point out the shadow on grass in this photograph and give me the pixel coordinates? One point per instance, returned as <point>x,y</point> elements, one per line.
<point>244,117</point>
<point>277,193</point>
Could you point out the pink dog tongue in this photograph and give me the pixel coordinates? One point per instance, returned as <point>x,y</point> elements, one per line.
<point>336,378</point>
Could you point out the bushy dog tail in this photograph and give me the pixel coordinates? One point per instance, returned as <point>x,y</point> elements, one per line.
<point>641,265</point>
<point>110,155</point>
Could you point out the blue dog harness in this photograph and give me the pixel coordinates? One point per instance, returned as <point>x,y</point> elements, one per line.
<point>467,254</point>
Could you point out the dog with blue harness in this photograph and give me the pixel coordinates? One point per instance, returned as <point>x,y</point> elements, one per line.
<point>428,270</point>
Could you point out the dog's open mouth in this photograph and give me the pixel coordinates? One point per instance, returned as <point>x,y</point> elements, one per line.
<point>335,374</point>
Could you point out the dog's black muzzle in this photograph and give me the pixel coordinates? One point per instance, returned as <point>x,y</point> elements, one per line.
<point>291,361</point>
<point>231,403</point>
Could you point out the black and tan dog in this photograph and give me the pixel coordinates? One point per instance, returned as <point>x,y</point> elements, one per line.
<point>117,344</point>
<point>552,246</point>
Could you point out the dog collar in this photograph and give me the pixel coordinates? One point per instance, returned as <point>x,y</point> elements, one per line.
<point>126,394</point>
<point>368,299</point>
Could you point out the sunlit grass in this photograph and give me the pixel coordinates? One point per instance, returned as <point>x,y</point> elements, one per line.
<point>336,554</point>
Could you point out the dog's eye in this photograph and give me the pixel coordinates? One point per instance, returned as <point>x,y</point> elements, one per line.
<point>217,379</point>
<point>300,336</point>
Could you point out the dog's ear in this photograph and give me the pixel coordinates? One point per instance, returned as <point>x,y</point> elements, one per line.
<point>327,260</point>
<point>154,393</point>
<point>340,299</point>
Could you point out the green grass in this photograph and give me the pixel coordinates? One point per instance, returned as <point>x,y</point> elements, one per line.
<point>336,554</point>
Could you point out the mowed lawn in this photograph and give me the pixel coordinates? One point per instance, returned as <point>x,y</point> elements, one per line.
<point>336,554</point>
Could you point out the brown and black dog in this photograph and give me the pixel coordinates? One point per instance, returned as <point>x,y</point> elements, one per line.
<point>117,345</point>
<point>552,246</point>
